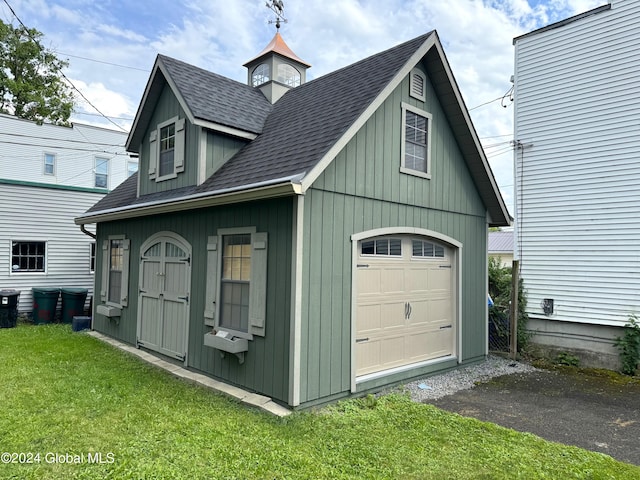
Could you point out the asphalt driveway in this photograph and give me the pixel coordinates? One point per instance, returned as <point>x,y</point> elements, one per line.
<point>591,411</point>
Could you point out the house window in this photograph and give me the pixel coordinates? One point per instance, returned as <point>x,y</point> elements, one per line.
<point>288,75</point>
<point>115,271</point>
<point>418,85</point>
<point>28,256</point>
<point>92,257</point>
<point>102,173</point>
<point>425,249</point>
<point>116,257</point>
<point>260,75</point>
<point>49,164</point>
<point>167,146</point>
<point>389,247</point>
<point>166,150</point>
<point>132,167</point>
<point>416,135</point>
<point>235,282</point>
<point>236,287</point>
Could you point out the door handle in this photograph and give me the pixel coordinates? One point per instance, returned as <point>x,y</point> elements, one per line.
<point>410,310</point>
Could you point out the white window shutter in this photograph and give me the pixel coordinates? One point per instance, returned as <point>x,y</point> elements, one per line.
<point>124,288</point>
<point>258,289</point>
<point>105,271</point>
<point>153,153</point>
<point>179,146</point>
<point>211,285</point>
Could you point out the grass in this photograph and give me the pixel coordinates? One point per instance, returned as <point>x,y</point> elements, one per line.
<point>67,393</point>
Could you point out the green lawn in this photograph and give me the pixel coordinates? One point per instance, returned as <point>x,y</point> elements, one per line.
<point>67,393</point>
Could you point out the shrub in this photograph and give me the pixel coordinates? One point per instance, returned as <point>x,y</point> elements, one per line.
<point>629,346</point>
<point>500,291</point>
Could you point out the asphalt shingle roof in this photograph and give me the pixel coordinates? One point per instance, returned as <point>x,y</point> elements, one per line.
<point>500,242</point>
<point>218,99</point>
<point>295,133</point>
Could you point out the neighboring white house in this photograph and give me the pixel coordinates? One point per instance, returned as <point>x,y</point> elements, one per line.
<point>500,247</point>
<point>48,175</point>
<point>577,178</point>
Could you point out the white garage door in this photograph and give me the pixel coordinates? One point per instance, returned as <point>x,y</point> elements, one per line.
<point>404,305</point>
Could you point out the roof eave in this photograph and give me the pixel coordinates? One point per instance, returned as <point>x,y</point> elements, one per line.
<point>277,188</point>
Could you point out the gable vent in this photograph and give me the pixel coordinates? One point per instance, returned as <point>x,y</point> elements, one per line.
<point>417,87</point>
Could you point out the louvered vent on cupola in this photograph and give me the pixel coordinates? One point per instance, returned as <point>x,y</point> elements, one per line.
<point>418,84</point>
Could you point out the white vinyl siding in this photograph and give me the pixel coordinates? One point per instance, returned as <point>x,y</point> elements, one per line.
<point>45,215</point>
<point>578,173</point>
<point>74,149</point>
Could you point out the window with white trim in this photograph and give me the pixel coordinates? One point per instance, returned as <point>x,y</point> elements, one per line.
<point>236,287</point>
<point>92,257</point>
<point>132,167</point>
<point>388,247</point>
<point>49,167</point>
<point>102,172</point>
<point>260,75</point>
<point>416,141</point>
<point>115,271</point>
<point>28,256</point>
<point>166,150</point>
<point>426,249</point>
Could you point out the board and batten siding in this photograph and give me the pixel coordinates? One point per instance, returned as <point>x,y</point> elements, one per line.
<point>46,214</point>
<point>361,190</point>
<point>266,365</point>
<point>166,108</point>
<point>578,173</point>
<point>23,144</point>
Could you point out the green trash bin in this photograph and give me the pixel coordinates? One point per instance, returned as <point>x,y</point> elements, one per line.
<point>72,303</point>
<point>8,308</point>
<point>45,302</point>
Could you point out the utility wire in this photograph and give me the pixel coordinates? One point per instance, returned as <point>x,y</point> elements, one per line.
<point>105,63</point>
<point>86,141</point>
<point>62,73</point>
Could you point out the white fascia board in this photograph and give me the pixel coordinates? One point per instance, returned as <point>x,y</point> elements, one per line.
<point>235,132</point>
<point>360,121</point>
<point>244,193</point>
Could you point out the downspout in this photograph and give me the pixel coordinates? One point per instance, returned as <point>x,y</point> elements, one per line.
<point>87,232</point>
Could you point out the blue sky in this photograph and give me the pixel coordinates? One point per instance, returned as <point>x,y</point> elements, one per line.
<point>111,45</point>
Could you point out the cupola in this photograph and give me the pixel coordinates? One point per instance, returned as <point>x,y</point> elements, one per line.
<point>276,69</point>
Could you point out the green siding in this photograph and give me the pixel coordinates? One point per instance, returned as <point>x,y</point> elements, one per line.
<point>266,367</point>
<point>220,148</point>
<point>166,108</point>
<point>363,189</point>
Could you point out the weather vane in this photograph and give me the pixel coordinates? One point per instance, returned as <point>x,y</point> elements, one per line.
<point>277,7</point>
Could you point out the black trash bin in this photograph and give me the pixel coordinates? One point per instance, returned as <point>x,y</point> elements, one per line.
<point>72,303</point>
<point>45,302</point>
<point>8,308</point>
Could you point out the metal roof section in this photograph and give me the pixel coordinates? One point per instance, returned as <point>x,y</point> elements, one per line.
<point>500,242</point>
<point>278,45</point>
<point>564,22</point>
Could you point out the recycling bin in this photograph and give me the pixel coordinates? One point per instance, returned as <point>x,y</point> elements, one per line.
<point>45,302</point>
<point>8,308</point>
<point>72,303</point>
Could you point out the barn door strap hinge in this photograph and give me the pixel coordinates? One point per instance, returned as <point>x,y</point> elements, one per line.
<point>407,310</point>
<point>445,266</point>
<point>362,265</point>
<point>360,340</point>
<point>185,298</point>
<point>446,326</point>
<point>187,260</point>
